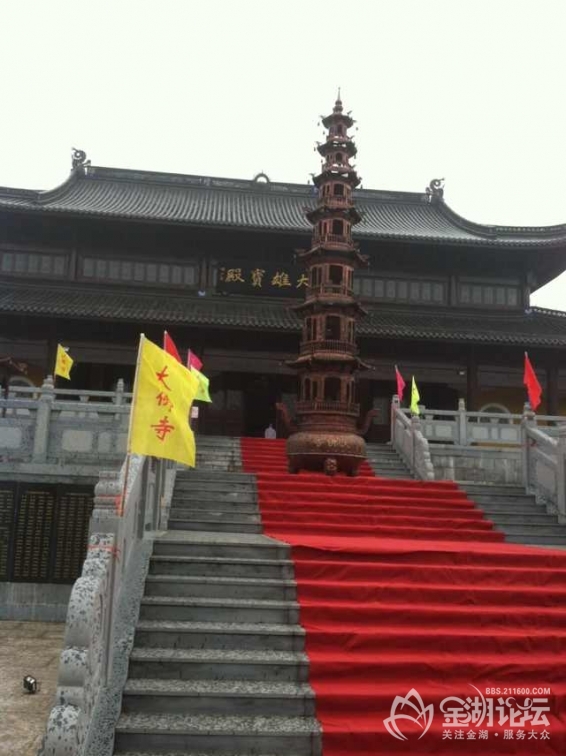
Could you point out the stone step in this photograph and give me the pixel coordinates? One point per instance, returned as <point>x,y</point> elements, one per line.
<point>240,546</point>
<point>235,697</point>
<point>494,512</point>
<point>386,466</point>
<point>488,489</point>
<point>224,735</point>
<point>391,469</point>
<point>390,474</point>
<point>220,587</point>
<point>217,492</point>
<point>540,531</point>
<point>216,514</point>
<point>385,458</point>
<point>221,487</point>
<point>208,524</point>
<point>223,635</point>
<point>217,664</point>
<point>392,458</point>
<point>234,478</point>
<point>195,502</point>
<point>508,501</point>
<point>537,540</point>
<point>196,609</point>
<point>229,459</point>
<point>503,519</point>
<point>200,753</point>
<point>219,567</point>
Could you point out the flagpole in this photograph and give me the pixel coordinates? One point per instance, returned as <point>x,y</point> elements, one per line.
<point>130,425</point>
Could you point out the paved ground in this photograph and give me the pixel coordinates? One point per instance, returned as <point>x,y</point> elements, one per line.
<point>26,648</point>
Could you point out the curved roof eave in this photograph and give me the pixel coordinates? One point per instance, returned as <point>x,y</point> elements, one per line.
<point>204,201</point>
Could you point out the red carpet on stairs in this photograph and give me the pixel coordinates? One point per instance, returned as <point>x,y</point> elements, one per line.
<point>406,590</point>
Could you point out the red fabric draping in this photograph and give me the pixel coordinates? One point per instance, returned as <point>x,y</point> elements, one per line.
<point>402,585</point>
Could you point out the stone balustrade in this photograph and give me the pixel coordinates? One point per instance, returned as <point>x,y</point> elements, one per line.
<point>104,605</point>
<point>465,428</point>
<point>48,425</point>
<point>496,448</point>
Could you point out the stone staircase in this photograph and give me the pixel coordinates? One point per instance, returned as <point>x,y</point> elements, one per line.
<point>218,453</point>
<point>218,664</point>
<point>517,514</point>
<point>386,462</point>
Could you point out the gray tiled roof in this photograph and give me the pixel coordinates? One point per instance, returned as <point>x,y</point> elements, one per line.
<point>206,201</point>
<point>537,327</point>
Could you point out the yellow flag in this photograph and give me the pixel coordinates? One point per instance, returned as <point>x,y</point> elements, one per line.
<point>203,394</point>
<point>63,363</point>
<point>163,395</point>
<point>415,398</point>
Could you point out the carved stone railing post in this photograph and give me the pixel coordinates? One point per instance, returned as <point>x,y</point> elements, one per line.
<point>42,420</point>
<point>422,463</point>
<point>462,434</point>
<point>395,405</point>
<point>561,475</point>
<point>528,421</point>
<point>107,502</point>
<point>118,398</point>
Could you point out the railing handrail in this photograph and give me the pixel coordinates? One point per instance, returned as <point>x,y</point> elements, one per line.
<point>322,344</point>
<point>333,238</point>
<point>331,288</point>
<point>410,442</point>
<point>104,603</point>
<point>327,405</point>
<point>336,199</point>
<point>509,416</point>
<point>13,390</point>
<point>540,437</point>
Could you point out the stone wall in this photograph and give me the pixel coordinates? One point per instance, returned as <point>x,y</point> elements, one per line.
<point>477,464</point>
<point>38,602</point>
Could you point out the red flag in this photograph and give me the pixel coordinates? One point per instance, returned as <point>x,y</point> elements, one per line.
<point>193,361</point>
<point>400,383</point>
<point>169,346</point>
<point>534,389</point>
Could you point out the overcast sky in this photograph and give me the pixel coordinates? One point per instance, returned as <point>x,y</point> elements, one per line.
<point>469,90</point>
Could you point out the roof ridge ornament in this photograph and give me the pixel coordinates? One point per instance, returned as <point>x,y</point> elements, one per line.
<point>78,159</point>
<point>435,188</point>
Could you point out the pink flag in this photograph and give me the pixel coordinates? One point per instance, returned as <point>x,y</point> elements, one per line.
<point>169,346</point>
<point>534,389</point>
<point>193,361</point>
<point>400,383</point>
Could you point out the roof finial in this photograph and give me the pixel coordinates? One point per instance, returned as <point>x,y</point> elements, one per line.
<point>78,159</point>
<point>338,98</point>
<point>435,188</point>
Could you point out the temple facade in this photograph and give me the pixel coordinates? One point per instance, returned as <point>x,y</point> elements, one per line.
<point>219,263</point>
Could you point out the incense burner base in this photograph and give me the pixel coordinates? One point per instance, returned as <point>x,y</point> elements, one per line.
<point>325,452</point>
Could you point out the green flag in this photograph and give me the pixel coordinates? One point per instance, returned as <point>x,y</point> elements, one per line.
<point>415,398</point>
<point>202,393</point>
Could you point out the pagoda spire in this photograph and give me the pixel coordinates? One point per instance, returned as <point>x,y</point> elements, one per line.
<point>328,434</point>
